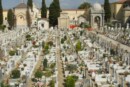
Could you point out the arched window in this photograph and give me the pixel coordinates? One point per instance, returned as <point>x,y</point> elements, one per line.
<point>21,17</point>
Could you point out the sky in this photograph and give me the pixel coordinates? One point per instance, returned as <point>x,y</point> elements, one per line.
<point>65,4</point>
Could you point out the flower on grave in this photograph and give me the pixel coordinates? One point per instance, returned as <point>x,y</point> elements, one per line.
<point>33,42</point>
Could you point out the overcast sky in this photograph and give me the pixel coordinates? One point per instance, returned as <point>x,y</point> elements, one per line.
<point>65,4</point>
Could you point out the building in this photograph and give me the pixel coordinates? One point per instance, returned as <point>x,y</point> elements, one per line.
<point>21,9</point>
<point>121,11</point>
<point>43,23</point>
<point>96,15</point>
<point>20,14</point>
<point>69,17</point>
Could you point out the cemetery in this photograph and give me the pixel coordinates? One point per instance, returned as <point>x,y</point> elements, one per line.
<point>71,49</point>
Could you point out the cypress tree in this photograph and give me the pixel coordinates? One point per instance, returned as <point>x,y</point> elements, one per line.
<point>28,17</point>
<point>57,7</point>
<point>84,5</point>
<point>43,10</point>
<point>30,4</point>
<point>10,18</point>
<point>45,63</point>
<point>107,9</point>
<point>1,13</point>
<point>54,12</point>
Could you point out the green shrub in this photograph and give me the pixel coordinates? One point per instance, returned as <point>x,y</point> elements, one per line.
<point>62,40</point>
<point>38,74</point>
<point>52,83</point>
<point>70,82</point>
<point>48,73</point>
<point>78,46</point>
<point>28,37</point>
<point>12,53</point>
<point>75,77</point>
<point>46,47</point>
<point>52,66</point>
<point>15,74</point>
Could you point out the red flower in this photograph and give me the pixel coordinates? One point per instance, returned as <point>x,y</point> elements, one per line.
<point>33,42</point>
<point>72,26</point>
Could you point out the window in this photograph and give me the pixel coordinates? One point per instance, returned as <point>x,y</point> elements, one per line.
<point>21,17</point>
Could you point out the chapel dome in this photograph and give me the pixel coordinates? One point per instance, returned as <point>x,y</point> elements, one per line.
<point>97,7</point>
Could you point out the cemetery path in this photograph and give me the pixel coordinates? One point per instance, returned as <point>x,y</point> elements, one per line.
<point>59,64</point>
<point>29,83</point>
<point>122,46</point>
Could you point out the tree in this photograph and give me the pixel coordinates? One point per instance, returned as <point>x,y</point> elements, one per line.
<point>28,17</point>
<point>70,82</point>
<point>45,63</point>
<point>10,18</point>
<point>54,12</point>
<point>38,74</point>
<point>30,4</point>
<point>84,5</point>
<point>43,10</point>
<point>107,9</point>
<point>1,13</point>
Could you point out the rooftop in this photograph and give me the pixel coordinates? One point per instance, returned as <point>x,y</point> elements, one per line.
<point>21,5</point>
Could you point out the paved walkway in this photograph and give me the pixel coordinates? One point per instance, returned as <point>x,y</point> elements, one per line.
<point>29,83</point>
<point>59,64</point>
